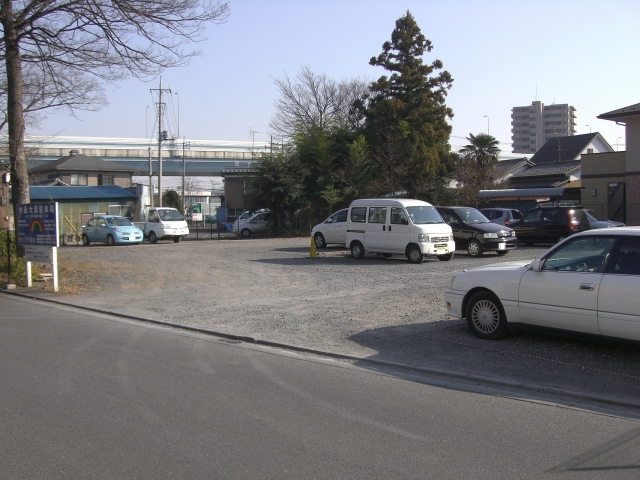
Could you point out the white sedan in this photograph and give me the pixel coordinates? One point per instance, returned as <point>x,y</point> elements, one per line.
<point>587,284</point>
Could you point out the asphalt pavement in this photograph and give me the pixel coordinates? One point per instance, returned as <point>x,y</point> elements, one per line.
<point>87,395</point>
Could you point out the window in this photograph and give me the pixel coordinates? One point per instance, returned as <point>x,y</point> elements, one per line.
<point>104,179</point>
<point>587,254</point>
<point>341,216</point>
<point>251,187</point>
<point>532,216</point>
<point>78,179</point>
<point>378,215</point>
<point>358,214</point>
<point>398,216</point>
<point>625,259</point>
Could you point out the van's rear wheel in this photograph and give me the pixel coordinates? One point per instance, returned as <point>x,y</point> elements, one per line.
<point>414,254</point>
<point>152,237</point>
<point>357,250</point>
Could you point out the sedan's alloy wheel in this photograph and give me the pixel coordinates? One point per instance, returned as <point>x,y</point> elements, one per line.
<point>485,316</point>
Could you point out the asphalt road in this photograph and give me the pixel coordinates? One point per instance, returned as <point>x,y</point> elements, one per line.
<point>90,396</point>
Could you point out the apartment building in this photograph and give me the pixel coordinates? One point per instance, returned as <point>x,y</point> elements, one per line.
<point>532,126</point>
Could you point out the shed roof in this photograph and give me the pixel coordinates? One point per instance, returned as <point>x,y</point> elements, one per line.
<point>103,192</point>
<point>524,192</point>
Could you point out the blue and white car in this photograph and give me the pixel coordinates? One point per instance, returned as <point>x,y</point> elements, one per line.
<point>112,230</point>
<point>587,284</point>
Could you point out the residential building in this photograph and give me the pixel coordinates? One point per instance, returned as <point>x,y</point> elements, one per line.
<point>77,169</point>
<point>612,181</point>
<point>532,126</point>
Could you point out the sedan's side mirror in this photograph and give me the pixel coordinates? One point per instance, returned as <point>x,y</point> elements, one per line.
<point>536,265</point>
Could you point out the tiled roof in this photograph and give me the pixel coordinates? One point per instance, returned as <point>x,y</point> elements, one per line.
<point>83,163</point>
<point>549,169</point>
<point>504,167</point>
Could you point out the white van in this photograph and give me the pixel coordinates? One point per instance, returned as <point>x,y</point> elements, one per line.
<point>398,227</point>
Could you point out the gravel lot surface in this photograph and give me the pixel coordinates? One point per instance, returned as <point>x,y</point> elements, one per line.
<point>377,307</point>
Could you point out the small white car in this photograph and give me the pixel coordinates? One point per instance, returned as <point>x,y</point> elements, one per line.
<point>332,230</point>
<point>588,284</point>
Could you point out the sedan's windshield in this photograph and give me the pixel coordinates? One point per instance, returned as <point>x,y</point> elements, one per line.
<point>118,222</point>
<point>170,215</point>
<point>422,215</point>
<point>471,216</point>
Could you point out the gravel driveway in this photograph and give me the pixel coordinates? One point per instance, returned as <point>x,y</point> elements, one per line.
<point>377,307</point>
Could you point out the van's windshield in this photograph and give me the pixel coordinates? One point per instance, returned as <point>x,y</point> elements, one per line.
<point>170,215</point>
<point>424,215</point>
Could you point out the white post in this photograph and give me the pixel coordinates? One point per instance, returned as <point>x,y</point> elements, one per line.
<point>54,268</point>
<point>28,274</point>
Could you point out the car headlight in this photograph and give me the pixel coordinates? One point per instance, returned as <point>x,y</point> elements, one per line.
<point>423,238</point>
<point>165,227</point>
<point>453,279</point>
<point>490,235</point>
<point>513,233</point>
<point>117,230</point>
<point>451,237</point>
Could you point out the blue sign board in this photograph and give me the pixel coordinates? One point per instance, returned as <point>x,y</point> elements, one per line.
<point>38,224</point>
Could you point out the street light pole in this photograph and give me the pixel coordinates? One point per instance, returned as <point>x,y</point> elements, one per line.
<point>589,127</point>
<point>487,117</point>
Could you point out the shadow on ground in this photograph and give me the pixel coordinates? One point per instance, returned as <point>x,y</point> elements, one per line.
<point>600,370</point>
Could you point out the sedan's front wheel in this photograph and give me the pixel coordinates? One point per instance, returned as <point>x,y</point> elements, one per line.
<point>486,317</point>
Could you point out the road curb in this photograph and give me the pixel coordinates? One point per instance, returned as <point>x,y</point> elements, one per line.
<point>470,377</point>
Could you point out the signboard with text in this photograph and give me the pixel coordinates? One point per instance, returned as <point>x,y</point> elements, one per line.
<point>38,224</point>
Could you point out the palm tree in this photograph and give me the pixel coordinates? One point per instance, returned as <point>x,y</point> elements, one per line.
<point>483,149</point>
<point>476,165</point>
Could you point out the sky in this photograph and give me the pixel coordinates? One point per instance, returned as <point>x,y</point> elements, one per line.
<point>501,54</point>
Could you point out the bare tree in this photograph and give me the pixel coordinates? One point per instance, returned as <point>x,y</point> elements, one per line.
<point>42,91</point>
<point>78,43</point>
<point>314,100</point>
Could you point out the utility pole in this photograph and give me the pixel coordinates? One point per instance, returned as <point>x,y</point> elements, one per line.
<point>162,136</point>
<point>184,146</point>
<point>150,177</point>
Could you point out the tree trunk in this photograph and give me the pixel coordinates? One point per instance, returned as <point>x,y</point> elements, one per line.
<point>15,116</point>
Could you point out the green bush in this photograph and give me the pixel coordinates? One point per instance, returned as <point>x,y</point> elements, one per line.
<point>18,265</point>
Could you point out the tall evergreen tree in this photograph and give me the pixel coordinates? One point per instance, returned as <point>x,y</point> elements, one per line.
<point>406,115</point>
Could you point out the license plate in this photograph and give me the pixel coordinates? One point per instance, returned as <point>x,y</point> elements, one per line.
<point>502,246</point>
<point>441,251</point>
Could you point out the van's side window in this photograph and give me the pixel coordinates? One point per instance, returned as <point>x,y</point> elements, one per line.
<point>377,214</point>
<point>153,216</point>
<point>358,214</point>
<point>398,216</point>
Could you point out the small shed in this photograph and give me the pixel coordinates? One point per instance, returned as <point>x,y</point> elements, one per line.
<point>76,205</point>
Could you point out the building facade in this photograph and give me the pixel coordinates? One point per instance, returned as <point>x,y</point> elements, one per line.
<point>532,126</point>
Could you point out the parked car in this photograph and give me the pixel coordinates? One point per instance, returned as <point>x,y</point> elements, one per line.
<point>246,216</point>
<point>392,226</point>
<point>332,230</point>
<point>257,223</point>
<point>502,216</point>
<point>588,284</point>
<point>473,231</point>
<point>550,224</point>
<point>112,230</point>
<point>600,221</point>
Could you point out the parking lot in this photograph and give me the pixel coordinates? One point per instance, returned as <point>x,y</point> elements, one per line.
<point>375,308</point>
